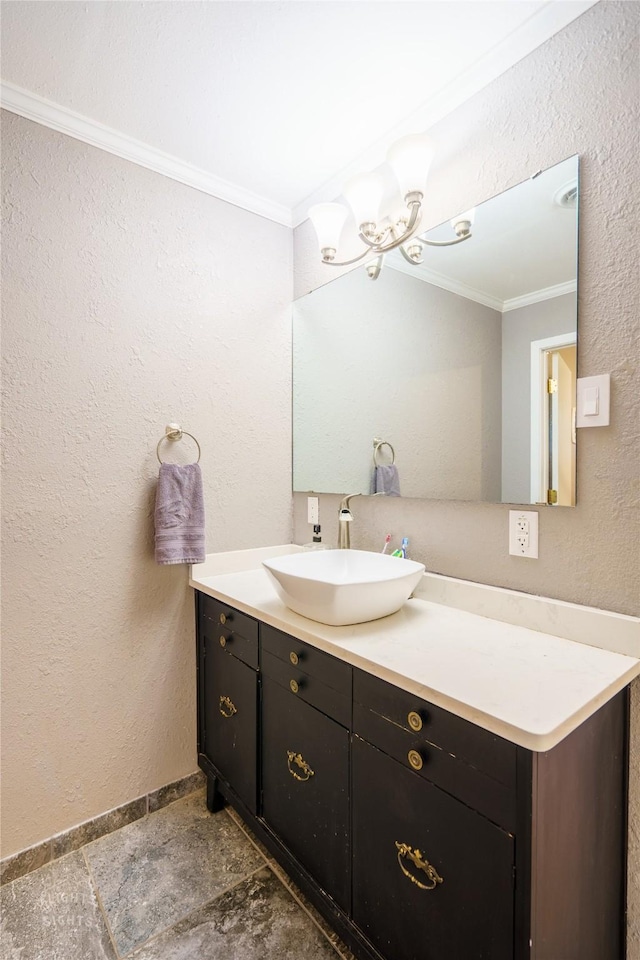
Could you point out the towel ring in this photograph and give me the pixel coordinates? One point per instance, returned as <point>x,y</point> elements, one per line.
<point>174,432</point>
<point>377,444</point>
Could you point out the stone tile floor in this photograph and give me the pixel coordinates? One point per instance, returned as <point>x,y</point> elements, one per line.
<point>179,884</point>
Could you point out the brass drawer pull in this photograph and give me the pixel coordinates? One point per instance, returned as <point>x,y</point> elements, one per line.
<point>293,657</point>
<point>293,686</point>
<point>223,641</point>
<point>415,721</point>
<point>301,764</point>
<point>404,850</point>
<point>222,618</point>
<point>415,759</point>
<point>227,707</point>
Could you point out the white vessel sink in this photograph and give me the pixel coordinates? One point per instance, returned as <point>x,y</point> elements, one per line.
<point>339,587</point>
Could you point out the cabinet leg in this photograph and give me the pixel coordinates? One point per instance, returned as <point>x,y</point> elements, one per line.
<point>215,800</point>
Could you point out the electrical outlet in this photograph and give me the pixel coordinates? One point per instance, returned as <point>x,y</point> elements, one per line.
<point>523,533</point>
<point>312,510</point>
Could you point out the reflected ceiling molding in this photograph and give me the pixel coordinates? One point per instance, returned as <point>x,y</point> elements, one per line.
<point>470,293</point>
<point>547,293</point>
<point>52,115</point>
<point>445,283</point>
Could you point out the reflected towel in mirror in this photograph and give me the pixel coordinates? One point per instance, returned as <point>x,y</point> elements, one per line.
<point>386,480</point>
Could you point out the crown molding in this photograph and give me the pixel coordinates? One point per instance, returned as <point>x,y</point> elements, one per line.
<point>546,293</point>
<point>56,117</point>
<point>540,27</point>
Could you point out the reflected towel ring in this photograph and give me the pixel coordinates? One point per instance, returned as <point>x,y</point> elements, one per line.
<point>174,432</point>
<point>377,444</point>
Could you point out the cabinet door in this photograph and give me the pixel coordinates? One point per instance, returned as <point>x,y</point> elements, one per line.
<point>432,879</point>
<point>305,786</point>
<point>229,701</point>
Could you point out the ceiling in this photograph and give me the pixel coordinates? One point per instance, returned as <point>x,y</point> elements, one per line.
<point>266,104</point>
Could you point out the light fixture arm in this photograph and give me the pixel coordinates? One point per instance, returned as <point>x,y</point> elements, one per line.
<point>375,244</point>
<point>414,203</point>
<point>443,243</point>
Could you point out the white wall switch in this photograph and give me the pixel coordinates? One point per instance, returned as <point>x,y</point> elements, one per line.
<point>312,510</point>
<point>523,533</point>
<point>593,401</point>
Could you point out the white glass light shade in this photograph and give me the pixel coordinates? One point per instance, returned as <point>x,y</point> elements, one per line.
<point>410,159</point>
<point>364,195</point>
<point>469,215</point>
<point>328,220</point>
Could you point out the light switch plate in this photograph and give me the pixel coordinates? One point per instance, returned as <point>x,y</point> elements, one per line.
<point>593,401</point>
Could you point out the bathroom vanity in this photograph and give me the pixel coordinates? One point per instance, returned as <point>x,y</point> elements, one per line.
<point>491,826</point>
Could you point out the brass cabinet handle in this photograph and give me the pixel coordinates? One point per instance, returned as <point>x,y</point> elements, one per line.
<point>415,759</point>
<point>293,686</point>
<point>222,618</point>
<point>301,764</point>
<point>415,721</point>
<point>227,707</point>
<point>404,850</point>
<point>293,657</point>
<point>223,640</point>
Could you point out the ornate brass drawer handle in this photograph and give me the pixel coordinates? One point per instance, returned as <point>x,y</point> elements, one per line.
<point>227,707</point>
<point>404,850</point>
<point>415,721</point>
<point>296,758</point>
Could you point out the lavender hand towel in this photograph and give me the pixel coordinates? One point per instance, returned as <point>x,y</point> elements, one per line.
<point>387,480</point>
<point>179,514</point>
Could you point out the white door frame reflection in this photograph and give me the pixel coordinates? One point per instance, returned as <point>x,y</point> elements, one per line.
<point>553,421</point>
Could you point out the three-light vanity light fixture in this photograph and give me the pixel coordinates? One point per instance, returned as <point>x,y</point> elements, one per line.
<point>409,159</point>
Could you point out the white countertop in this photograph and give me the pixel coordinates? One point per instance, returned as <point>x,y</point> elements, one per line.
<point>527,685</point>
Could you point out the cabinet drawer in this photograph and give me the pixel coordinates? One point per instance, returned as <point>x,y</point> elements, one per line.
<point>489,753</point>
<point>230,706</point>
<point>305,787</point>
<point>493,799</point>
<point>314,663</point>
<point>234,631</point>
<point>299,685</point>
<point>460,909</point>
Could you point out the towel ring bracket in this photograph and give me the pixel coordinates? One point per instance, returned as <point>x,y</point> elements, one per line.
<point>173,432</point>
<point>377,444</point>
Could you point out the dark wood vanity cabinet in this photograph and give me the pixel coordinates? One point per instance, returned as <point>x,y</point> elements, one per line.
<point>306,719</point>
<point>305,787</point>
<point>431,877</point>
<point>434,856</point>
<point>228,697</point>
<point>417,834</point>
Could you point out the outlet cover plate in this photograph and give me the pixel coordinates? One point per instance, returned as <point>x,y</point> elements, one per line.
<point>523,533</point>
<point>312,510</point>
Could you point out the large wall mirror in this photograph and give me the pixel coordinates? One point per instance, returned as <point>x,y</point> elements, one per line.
<point>462,369</point>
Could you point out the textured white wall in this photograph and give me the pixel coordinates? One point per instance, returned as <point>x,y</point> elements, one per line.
<point>578,93</point>
<point>405,361</point>
<point>127,303</point>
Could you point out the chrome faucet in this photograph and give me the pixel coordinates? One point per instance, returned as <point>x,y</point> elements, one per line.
<point>345,517</point>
